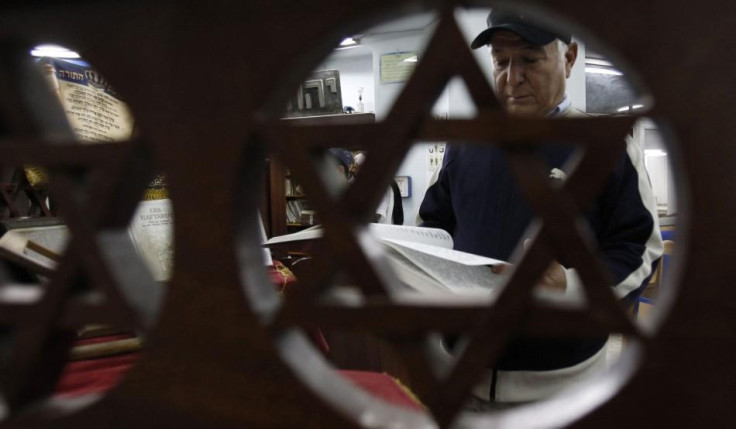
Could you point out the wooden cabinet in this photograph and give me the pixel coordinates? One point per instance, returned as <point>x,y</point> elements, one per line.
<point>278,173</point>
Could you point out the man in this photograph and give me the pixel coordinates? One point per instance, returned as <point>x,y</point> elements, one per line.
<point>476,200</point>
<point>391,209</point>
<point>343,162</point>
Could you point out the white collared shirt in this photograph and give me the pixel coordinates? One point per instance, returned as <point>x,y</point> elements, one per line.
<point>560,108</point>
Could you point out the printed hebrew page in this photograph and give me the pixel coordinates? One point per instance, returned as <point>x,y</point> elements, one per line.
<point>444,253</point>
<point>311,233</point>
<point>428,236</point>
<point>93,108</point>
<point>456,277</point>
<point>413,277</point>
<point>423,259</point>
<point>414,234</point>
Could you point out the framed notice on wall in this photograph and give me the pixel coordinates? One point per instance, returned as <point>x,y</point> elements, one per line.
<point>396,67</point>
<point>93,108</point>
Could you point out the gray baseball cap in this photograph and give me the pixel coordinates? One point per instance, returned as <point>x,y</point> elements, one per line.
<point>519,24</point>
<point>342,155</point>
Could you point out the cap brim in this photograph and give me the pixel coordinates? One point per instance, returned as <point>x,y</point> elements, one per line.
<point>531,34</point>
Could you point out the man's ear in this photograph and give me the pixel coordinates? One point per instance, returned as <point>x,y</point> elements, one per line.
<point>570,56</point>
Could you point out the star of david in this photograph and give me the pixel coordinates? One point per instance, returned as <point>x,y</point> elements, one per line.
<point>558,232</point>
<point>97,188</point>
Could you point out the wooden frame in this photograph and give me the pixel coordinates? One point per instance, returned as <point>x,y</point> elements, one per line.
<point>224,353</point>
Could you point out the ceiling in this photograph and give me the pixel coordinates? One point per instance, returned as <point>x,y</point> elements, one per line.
<point>413,22</point>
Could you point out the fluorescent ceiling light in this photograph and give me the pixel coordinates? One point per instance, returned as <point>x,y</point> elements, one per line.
<point>348,41</point>
<point>595,62</point>
<point>654,152</point>
<point>411,59</point>
<point>601,70</point>
<point>54,51</point>
<point>626,108</point>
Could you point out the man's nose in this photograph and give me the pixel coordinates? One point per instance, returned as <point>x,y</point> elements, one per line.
<point>516,74</point>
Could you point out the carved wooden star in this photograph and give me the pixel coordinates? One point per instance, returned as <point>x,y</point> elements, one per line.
<point>488,325</point>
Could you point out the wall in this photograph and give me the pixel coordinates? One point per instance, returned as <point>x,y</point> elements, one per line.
<point>382,44</point>
<point>657,164</point>
<point>607,93</point>
<point>455,102</point>
<point>414,164</point>
<point>576,81</point>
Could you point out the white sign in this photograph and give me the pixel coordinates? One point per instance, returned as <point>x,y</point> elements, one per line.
<point>152,232</point>
<point>435,155</point>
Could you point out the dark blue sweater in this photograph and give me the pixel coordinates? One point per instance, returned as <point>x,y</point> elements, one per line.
<point>476,200</point>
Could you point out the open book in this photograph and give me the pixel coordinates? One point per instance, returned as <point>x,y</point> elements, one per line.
<point>39,243</point>
<point>423,259</point>
<point>26,254</point>
<point>152,233</point>
<point>35,245</point>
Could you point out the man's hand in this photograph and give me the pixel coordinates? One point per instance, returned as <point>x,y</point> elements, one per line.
<point>554,278</point>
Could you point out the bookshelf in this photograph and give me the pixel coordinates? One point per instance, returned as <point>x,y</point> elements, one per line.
<point>279,175</point>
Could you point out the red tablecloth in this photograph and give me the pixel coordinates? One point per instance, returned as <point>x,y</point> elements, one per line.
<point>99,375</point>
<point>283,280</point>
<point>385,387</point>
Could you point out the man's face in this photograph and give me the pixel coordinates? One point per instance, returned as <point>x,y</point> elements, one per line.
<point>530,80</point>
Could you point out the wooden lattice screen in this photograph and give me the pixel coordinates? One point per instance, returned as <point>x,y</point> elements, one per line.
<point>206,82</point>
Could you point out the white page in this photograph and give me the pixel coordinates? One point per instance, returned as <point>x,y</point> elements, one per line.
<point>414,234</point>
<point>15,242</point>
<point>306,234</point>
<point>413,277</point>
<point>448,254</point>
<point>54,238</point>
<point>266,254</point>
<point>456,277</point>
<point>429,236</point>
